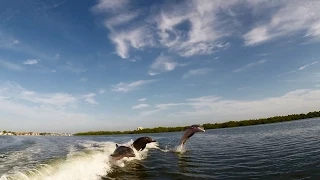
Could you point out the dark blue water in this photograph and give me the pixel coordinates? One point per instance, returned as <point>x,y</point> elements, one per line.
<point>287,150</point>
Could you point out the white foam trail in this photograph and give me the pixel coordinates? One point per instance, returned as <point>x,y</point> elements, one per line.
<point>91,164</point>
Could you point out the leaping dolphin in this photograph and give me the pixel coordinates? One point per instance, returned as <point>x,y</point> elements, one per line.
<point>190,131</point>
<point>125,151</point>
<point>140,143</point>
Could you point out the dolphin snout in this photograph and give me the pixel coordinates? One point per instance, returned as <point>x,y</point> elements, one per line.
<point>201,129</point>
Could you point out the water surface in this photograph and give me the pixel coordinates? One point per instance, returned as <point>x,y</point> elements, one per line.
<point>288,150</point>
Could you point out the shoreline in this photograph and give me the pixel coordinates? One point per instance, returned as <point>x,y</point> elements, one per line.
<point>207,126</point>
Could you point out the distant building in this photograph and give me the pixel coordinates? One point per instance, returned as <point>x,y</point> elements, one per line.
<point>139,128</point>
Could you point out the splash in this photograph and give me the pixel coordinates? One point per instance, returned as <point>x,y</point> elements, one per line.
<point>176,149</point>
<point>91,163</point>
<point>180,149</point>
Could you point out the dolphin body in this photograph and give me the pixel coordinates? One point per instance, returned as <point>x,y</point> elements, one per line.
<point>141,143</point>
<point>190,131</point>
<point>125,151</point>
<point>121,152</point>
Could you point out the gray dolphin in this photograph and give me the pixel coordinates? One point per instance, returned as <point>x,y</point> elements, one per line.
<point>140,143</point>
<point>121,152</point>
<point>190,131</point>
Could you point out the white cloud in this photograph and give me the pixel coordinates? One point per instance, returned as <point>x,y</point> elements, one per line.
<point>291,18</point>
<point>299,69</point>
<point>89,98</point>
<point>202,109</point>
<point>203,36</point>
<point>15,92</point>
<point>70,67</point>
<point>140,106</point>
<point>206,29</point>
<point>159,107</point>
<point>130,86</point>
<point>137,38</point>
<point>49,119</point>
<point>244,88</point>
<point>31,62</point>
<point>57,56</point>
<point>84,79</point>
<point>307,65</point>
<point>110,5</point>
<point>162,64</point>
<point>194,27</point>
<point>7,41</point>
<point>142,99</point>
<point>120,19</point>
<point>250,65</point>
<point>39,112</point>
<point>197,72</point>
<point>9,65</point>
<point>101,91</point>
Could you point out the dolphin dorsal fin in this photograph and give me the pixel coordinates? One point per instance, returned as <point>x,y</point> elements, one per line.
<point>117,145</point>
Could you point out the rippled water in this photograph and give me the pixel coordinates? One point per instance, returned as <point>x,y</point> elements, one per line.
<point>287,150</point>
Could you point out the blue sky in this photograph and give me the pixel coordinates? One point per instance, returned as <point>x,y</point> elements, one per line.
<point>69,66</point>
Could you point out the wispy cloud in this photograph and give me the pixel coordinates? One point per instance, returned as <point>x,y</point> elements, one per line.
<point>244,88</point>
<point>130,86</point>
<point>197,72</point>
<point>70,67</point>
<point>190,28</point>
<point>140,106</point>
<point>159,108</point>
<point>31,62</point>
<point>9,65</point>
<point>101,91</point>
<point>227,109</point>
<point>142,99</point>
<point>250,65</point>
<point>202,38</point>
<point>137,38</point>
<point>89,98</point>
<point>14,91</point>
<point>292,17</point>
<point>162,64</point>
<point>7,41</point>
<point>307,65</point>
<point>110,5</point>
<point>205,32</point>
<point>300,68</point>
<point>84,79</point>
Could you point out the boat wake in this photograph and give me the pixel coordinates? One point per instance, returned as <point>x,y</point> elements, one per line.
<point>92,162</point>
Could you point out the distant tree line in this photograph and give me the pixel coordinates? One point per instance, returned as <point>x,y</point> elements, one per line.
<point>228,124</point>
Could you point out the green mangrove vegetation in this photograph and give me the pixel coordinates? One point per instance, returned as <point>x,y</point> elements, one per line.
<point>228,124</point>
